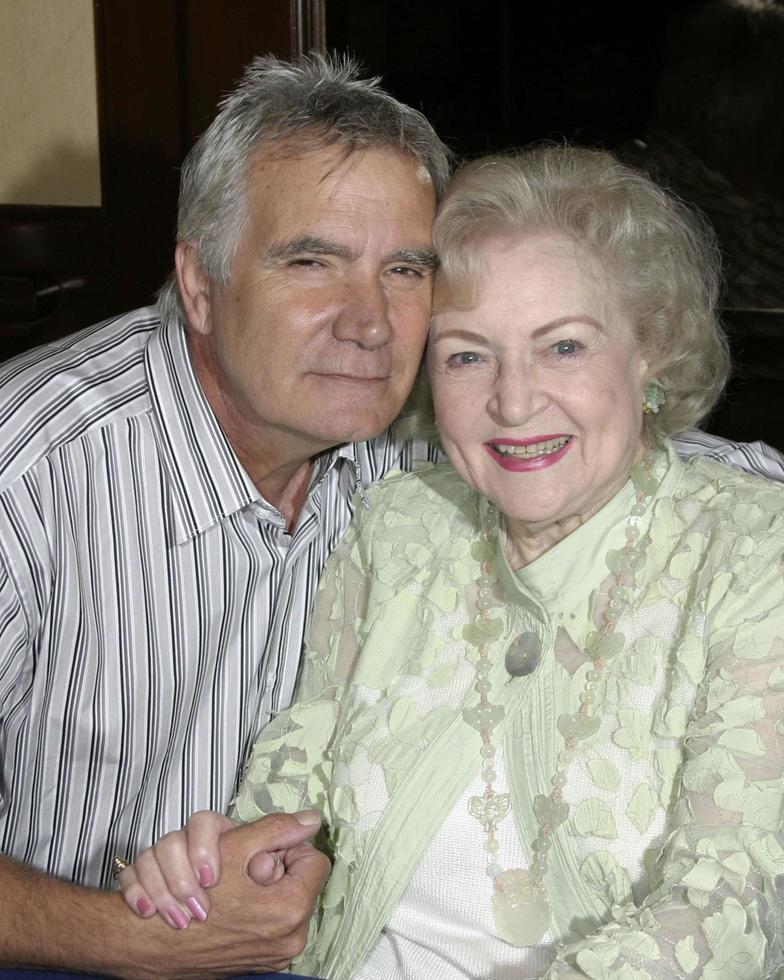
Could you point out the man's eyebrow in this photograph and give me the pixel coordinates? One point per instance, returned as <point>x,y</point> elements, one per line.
<point>309,244</point>
<point>424,257</point>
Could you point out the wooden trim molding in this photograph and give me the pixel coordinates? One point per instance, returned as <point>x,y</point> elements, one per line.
<point>308,26</point>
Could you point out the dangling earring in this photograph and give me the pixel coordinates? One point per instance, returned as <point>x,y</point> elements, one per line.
<point>654,396</point>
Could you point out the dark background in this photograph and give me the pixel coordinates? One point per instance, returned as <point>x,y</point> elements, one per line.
<point>498,73</point>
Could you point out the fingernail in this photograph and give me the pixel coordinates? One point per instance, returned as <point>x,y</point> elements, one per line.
<point>196,909</point>
<point>177,917</point>
<point>308,818</point>
<point>143,907</point>
<point>206,876</point>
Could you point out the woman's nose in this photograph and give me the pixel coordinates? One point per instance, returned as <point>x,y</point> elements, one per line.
<point>517,396</point>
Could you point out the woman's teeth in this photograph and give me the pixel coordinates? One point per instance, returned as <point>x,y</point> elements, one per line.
<point>545,448</point>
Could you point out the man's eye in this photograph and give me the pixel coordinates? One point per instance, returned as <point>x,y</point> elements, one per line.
<point>463,358</point>
<point>567,347</point>
<point>305,263</point>
<point>407,271</point>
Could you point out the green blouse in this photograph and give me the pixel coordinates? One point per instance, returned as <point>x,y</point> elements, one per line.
<point>669,863</point>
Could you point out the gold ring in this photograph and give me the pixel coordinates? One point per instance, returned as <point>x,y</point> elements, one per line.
<point>118,866</point>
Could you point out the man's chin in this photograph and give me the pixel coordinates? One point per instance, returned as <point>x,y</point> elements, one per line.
<point>353,428</point>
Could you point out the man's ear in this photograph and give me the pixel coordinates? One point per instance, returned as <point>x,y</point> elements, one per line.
<point>194,286</point>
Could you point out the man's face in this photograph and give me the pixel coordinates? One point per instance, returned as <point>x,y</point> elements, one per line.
<point>317,337</point>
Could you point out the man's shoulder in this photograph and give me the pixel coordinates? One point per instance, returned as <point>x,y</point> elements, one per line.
<point>388,453</point>
<point>752,457</point>
<point>53,394</point>
<point>741,508</point>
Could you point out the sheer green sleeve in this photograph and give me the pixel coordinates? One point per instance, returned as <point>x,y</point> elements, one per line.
<point>290,768</point>
<point>716,911</point>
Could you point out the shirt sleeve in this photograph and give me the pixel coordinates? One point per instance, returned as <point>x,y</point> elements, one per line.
<point>752,457</point>
<point>716,912</point>
<point>13,634</point>
<point>13,644</point>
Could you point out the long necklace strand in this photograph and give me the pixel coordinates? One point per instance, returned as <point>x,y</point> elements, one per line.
<point>520,902</point>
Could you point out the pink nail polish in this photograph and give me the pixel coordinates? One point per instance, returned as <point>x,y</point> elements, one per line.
<point>196,909</point>
<point>176,917</point>
<point>143,907</point>
<point>206,877</point>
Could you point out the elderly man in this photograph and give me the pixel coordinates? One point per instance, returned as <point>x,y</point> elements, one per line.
<point>170,486</point>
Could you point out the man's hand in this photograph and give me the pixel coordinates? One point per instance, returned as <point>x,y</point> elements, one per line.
<point>252,928</point>
<point>173,876</point>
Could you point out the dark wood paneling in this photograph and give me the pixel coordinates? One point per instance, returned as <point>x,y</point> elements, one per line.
<point>214,51</point>
<point>141,145</point>
<point>55,273</point>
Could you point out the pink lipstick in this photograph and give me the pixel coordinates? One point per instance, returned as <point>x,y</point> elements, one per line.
<point>523,455</point>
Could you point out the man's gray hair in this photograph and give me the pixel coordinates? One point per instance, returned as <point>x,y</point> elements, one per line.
<point>319,101</point>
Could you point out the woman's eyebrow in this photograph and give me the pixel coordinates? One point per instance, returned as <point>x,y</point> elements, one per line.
<point>460,333</point>
<point>562,321</point>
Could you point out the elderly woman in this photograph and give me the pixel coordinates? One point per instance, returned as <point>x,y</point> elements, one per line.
<point>541,703</point>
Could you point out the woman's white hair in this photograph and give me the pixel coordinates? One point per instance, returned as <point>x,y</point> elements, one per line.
<point>662,260</point>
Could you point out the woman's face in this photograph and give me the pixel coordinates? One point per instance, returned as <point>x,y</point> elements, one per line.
<point>538,388</point>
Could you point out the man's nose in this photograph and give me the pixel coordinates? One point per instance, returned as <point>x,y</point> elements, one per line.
<point>517,396</point>
<point>363,318</point>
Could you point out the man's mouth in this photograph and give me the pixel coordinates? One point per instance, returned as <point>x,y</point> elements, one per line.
<point>360,377</point>
<point>531,450</point>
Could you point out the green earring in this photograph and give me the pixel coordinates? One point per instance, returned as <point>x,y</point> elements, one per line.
<point>654,396</point>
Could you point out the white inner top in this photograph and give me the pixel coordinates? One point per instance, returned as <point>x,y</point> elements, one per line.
<point>442,928</point>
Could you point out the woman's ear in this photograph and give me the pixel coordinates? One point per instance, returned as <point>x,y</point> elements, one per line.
<point>194,285</point>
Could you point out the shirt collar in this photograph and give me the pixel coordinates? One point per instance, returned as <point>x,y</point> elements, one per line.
<point>206,479</point>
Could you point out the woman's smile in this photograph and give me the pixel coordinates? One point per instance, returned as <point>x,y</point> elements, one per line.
<point>529,454</point>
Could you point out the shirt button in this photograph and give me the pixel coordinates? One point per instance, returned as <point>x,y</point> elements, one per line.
<point>271,678</point>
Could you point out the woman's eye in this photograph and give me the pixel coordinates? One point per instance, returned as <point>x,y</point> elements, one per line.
<point>567,347</point>
<point>463,358</point>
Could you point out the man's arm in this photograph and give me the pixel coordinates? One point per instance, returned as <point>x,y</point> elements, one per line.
<point>46,922</point>
<point>754,457</point>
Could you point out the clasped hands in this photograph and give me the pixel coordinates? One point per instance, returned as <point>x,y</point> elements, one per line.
<point>209,868</point>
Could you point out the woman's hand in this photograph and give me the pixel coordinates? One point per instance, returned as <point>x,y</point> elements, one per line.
<point>172,876</point>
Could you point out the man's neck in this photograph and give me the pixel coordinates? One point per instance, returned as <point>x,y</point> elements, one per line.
<point>279,464</point>
<point>280,474</point>
<point>287,495</point>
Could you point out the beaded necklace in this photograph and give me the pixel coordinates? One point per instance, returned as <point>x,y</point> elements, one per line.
<point>520,902</point>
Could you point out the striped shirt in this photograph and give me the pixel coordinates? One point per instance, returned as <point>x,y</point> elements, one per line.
<point>754,457</point>
<point>152,603</point>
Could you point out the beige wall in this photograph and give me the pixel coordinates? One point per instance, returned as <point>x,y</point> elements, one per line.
<point>48,103</point>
